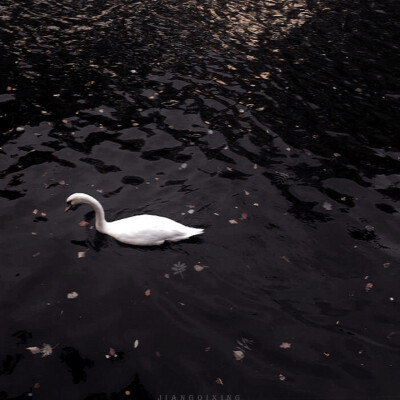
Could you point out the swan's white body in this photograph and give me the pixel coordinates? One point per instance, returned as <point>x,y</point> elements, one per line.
<point>140,230</point>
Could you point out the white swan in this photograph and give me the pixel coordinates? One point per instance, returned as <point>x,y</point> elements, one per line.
<point>140,230</point>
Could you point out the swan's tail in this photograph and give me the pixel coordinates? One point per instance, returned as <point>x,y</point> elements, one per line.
<point>189,232</point>
<point>195,231</point>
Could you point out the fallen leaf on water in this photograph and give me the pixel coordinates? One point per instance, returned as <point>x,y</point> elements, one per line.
<point>285,345</point>
<point>282,377</point>
<point>219,381</point>
<point>368,286</point>
<point>327,354</point>
<point>239,355</point>
<point>285,258</point>
<point>81,254</point>
<point>158,354</point>
<point>166,276</point>
<point>34,350</point>
<point>255,166</point>
<point>191,211</point>
<point>127,393</point>
<point>233,221</point>
<point>45,351</point>
<point>246,192</point>
<point>72,295</point>
<point>83,223</point>
<point>243,216</point>
<point>386,265</point>
<point>198,267</point>
<point>207,349</point>
<point>36,254</point>
<point>61,183</point>
<point>36,385</point>
<point>255,204</point>
<point>35,211</point>
<point>112,352</point>
<point>136,344</point>
<point>99,190</point>
<point>327,206</point>
<point>147,292</point>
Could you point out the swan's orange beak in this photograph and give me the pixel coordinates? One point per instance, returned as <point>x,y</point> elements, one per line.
<point>68,207</point>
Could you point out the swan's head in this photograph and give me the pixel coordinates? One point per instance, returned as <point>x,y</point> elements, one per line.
<point>77,198</point>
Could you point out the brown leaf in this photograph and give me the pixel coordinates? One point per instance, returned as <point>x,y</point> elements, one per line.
<point>207,349</point>
<point>83,223</point>
<point>36,385</point>
<point>36,254</point>
<point>61,183</point>
<point>158,354</point>
<point>233,221</point>
<point>166,276</point>
<point>112,352</point>
<point>35,211</point>
<point>285,345</point>
<point>285,258</point>
<point>386,265</point>
<point>147,292</point>
<point>326,354</point>
<point>368,286</point>
<point>243,216</point>
<point>219,381</point>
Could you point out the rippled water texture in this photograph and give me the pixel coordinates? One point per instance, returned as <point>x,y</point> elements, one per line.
<point>270,124</point>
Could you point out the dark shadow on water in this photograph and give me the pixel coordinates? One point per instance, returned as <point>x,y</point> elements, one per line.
<point>76,364</point>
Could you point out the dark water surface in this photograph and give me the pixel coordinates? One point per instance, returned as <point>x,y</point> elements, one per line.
<point>270,124</point>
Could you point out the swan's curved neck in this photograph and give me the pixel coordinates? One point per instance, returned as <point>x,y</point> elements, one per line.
<point>101,222</point>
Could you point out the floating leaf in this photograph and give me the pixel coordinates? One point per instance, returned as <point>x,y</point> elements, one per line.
<point>207,349</point>
<point>326,354</point>
<point>198,267</point>
<point>191,211</point>
<point>35,211</point>
<point>285,258</point>
<point>233,221</point>
<point>72,295</point>
<point>386,265</point>
<point>147,292</point>
<point>239,355</point>
<point>179,268</point>
<point>34,350</point>
<point>83,223</point>
<point>327,206</point>
<point>243,216</point>
<point>166,276</point>
<point>282,377</point>
<point>81,254</point>
<point>246,192</point>
<point>36,254</point>
<point>285,345</point>
<point>368,286</point>
<point>136,344</point>
<point>219,381</point>
<point>45,351</point>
